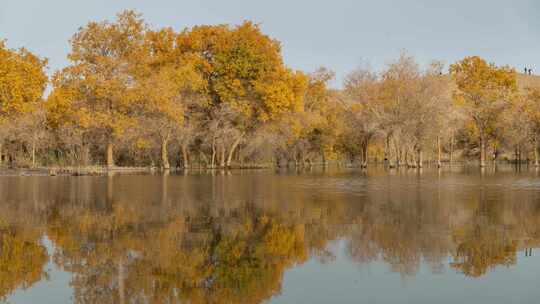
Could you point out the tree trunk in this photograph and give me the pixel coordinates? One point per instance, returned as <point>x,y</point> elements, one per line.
<point>204,158</point>
<point>185,157</point>
<point>398,155</point>
<point>366,155</point>
<point>406,158</point>
<point>85,152</point>
<point>233,148</point>
<point>452,150</point>
<point>482,152</point>
<point>439,164</point>
<point>412,158</point>
<point>110,157</point>
<point>420,160</point>
<point>213,161</point>
<point>222,160</point>
<point>1,155</point>
<point>535,150</point>
<point>387,151</point>
<point>33,154</point>
<point>165,154</point>
<point>278,160</point>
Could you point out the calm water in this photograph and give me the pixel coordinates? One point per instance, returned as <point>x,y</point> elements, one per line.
<point>262,237</point>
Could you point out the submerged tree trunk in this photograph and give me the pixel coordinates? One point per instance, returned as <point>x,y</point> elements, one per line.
<point>365,155</point>
<point>439,163</point>
<point>406,158</point>
<point>85,152</point>
<point>412,162</point>
<point>398,154</point>
<point>222,158</point>
<point>535,150</point>
<point>233,148</point>
<point>110,156</point>
<point>213,160</point>
<point>165,154</point>
<point>185,157</point>
<point>387,156</point>
<point>451,156</point>
<point>482,152</point>
<point>33,154</point>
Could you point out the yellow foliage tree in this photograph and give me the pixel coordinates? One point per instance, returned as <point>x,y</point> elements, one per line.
<point>101,76</point>
<point>245,74</point>
<point>532,116</point>
<point>22,83</point>
<point>483,91</point>
<point>166,81</point>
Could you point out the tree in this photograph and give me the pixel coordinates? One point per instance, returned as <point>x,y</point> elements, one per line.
<point>364,111</point>
<point>313,131</point>
<point>166,80</point>
<point>429,111</point>
<point>399,88</point>
<point>483,91</point>
<point>22,83</point>
<point>30,130</point>
<point>405,103</point>
<point>245,74</point>
<point>101,56</point>
<point>324,108</point>
<point>68,117</point>
<point>532,110</point>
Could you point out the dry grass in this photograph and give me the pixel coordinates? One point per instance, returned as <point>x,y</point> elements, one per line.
<point>528,81</point>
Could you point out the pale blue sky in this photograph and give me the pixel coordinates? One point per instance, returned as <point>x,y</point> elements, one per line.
<point>339,34</point>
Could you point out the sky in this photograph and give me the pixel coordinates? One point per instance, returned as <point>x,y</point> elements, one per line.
<point>338,34</point>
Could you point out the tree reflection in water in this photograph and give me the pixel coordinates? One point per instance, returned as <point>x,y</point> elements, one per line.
<point>230,238</point>
<point>22,258</point>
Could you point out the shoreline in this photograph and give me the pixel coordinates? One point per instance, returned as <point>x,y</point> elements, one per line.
<point>100,171</point>
<point>104,171</point>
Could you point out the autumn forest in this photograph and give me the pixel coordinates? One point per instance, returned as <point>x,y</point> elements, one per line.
<point>221,96</point>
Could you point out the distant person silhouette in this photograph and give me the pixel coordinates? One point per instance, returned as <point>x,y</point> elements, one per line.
<point>526,70</point>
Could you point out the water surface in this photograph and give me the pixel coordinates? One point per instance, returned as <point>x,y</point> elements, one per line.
<point>341,236</point>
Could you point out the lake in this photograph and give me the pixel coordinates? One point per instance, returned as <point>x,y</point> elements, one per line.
<point>334,236</point>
